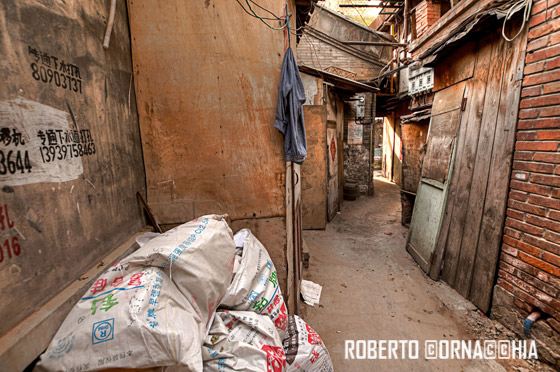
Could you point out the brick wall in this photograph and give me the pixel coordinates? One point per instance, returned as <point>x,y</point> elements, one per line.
<point>427,13</point>
<point>320,55</point>
<point>529,272</point>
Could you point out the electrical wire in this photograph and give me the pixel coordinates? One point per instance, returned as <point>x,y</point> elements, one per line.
<point>249,13</point>
<point>527,4</point>
<point>263,21</point>
<point>266,10</point>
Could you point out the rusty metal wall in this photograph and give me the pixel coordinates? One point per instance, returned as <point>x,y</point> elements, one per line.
<point>207,78</point>
<point>70,154</point>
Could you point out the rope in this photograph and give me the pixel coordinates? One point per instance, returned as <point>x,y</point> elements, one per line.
<point>527,4</point>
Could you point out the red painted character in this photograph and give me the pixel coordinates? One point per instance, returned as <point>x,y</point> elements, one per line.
<point>135,280</point>
<point>313,337</point>
<point>275,357</point>
<point>282,321</point>
<point>99,286</point>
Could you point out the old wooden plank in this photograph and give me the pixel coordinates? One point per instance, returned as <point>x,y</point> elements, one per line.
<point>413,138</point>
<point>64,225</point>
<point>314,169</point>
<point>446,113</point>
<point>441,243</point>
<point>466,152</point>
<point>207,126</point>
<point>455,67</point>
<point>498,182</point>
<point>481,169</point>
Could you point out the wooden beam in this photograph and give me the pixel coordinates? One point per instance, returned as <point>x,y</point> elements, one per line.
<point>378,43</point>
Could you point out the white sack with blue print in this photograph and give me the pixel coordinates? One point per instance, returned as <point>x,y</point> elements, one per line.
<point>152,308</point>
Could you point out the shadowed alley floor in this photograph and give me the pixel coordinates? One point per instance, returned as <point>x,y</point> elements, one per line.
<point>372,289</point>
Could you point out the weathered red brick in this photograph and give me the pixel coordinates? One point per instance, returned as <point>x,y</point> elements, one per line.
<point>517,196</point>
<point>543,29</point>
<point>540,264</point>
<point>548,134</point>
<point>547,157</point>
<point>554,214</point>
<point>529,187</point>
<point>550,88</point>
<point>537,146</point>
<point>526,207</point>
<point>526,135</point>
<point>538,7</point>
<point>537,20</point>
<point>541,78</point>
<point>545,243</point>
<point>544,201</point>
<point>531,91</point>
<point>514,214</point>
<point>552,258</point>
<point>539,123</point>
<point>552,64</point>
<point>549,111</point>
<point>542,54</point>
<point>525,227</point>
<point>523,306</point>
<point>545,179</point>
<point>518,264</point>
<point>552,237</point>
<point>537,283</point>
<point>509,250</point>
<point>512,232</point>
<point>529,113</point>
<point>523,155</point>
<point>525,247</point>
<point>553,99</point>
<point>543,222</point>
<point>533,166</point>
<point>532,68</point>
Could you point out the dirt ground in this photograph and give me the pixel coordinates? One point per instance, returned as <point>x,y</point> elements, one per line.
<point>373,290</point>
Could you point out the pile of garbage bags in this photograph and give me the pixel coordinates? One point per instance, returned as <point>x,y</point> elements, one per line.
<point>195,298</point>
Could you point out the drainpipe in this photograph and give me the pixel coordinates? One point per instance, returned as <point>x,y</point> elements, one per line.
<point>529,321</point>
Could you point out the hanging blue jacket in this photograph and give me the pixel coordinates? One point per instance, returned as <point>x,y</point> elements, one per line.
<point>289,111</point>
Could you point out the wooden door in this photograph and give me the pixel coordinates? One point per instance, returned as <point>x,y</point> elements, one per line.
<point>314,169</point>
<point>333,171</point>
<point>432,190</point>
<point>472,228</point>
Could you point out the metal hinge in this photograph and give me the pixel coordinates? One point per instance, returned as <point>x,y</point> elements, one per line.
<point>464,104</point>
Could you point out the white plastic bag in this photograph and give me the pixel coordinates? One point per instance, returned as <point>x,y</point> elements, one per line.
<point>305,351</point>
<point>129,318</point>
<point>243,341</point>
<point>255,284</point>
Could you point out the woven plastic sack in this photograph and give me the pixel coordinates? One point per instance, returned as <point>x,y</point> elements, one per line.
<point>129,318</point>
<point>198,256</point>
<point>151,309</point>
<point>305,351</point>
<point>243,341</point>
<point>255,284</point>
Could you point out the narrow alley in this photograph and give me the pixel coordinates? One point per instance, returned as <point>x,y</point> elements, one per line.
<point>373,289</point>
<point>280,185</point>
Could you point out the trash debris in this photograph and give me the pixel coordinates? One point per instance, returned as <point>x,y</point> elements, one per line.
<point>255,284</point>
<point>305,351</point>
<point>388,233</point>
<point>243,341</point>
<point>311,292</point>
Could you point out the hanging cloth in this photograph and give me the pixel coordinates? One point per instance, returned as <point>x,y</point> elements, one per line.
<point>289,111</point>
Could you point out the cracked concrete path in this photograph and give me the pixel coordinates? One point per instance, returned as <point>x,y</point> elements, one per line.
<point>373,289</point>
